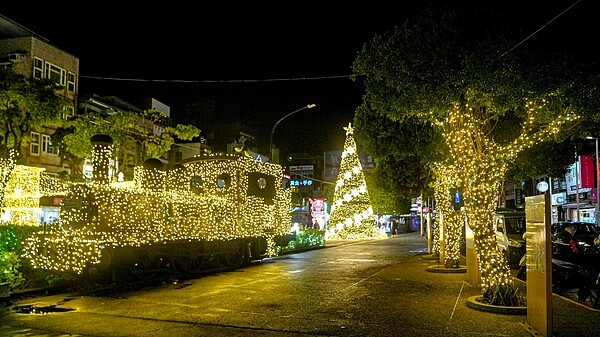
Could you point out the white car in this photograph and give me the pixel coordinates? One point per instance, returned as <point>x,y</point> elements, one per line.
<point>509,225</point>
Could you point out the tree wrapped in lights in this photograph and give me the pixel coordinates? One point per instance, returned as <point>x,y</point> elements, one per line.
<point>351,212</point>
<point>451,220</point>
<point>481,164</point>
<point>447,67</point>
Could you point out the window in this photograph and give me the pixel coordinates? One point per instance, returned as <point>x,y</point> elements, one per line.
<point>34,146</point>
<point>196,185</point>
<point>71,82</point>
<point>68,111</point>
<point>42,69</point>
<point>178,157</point>
<point>54,73</point>
<point>223,181</point>
<point>63,77</point>
<point>38,68</point>
<point>47,145</point>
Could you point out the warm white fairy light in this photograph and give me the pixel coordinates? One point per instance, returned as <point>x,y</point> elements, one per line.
<point>445,181</point>
<point>22,195</point>
<point>161,206</point>
<point>351,216</point>
<point>480,165</point>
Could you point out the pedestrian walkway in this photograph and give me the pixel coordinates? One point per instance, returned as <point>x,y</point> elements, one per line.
<point>397,296</point>
<point>570,318</point>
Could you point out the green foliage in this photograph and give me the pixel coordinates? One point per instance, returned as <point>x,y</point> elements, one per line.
<point>12,237</point>
<point>452,54</point>
<point>132,133</point>
<point>546,159</point>
<point>9,241</point>
<point>311,238</point>
<point>13,268</point>
<point>385,196</point>
<point>449,53</point>
<point>9,269</point>
<point>25,104</point>
<point>305,239</point>
<point>401,152</point>
<point>10,248</point>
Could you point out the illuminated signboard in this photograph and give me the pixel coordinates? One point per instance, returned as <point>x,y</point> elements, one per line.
<point>305,182</point>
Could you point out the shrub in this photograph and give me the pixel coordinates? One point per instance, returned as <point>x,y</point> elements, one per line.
<point>9,269</point>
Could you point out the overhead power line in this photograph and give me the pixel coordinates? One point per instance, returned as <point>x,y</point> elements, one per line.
<point>539,29</point>
<point>213,81</point>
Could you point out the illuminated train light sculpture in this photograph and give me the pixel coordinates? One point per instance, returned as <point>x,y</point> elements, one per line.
<point>210,211</point>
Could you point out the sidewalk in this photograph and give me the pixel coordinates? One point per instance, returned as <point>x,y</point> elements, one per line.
<point>570,318</point>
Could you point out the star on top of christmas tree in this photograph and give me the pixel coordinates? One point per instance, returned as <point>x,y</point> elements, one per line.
<point>349,129</point>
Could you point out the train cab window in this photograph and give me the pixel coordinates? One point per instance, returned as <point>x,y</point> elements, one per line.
<point>196,184</point>
<point>262,185</point>
<point>224,181</point>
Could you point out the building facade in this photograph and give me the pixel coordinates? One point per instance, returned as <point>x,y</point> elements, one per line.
<point>28,53</point>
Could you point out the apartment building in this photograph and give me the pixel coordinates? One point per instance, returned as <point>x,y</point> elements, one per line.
<point>30,54</point>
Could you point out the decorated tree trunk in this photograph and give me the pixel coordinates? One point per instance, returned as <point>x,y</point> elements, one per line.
<point>480,165</point>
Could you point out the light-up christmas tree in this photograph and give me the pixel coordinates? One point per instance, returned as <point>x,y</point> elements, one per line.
<point>351,212</point>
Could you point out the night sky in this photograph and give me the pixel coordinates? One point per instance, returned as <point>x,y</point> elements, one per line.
<point>256,64</point>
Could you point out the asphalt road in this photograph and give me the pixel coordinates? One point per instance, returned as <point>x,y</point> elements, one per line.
<point>366,288</point>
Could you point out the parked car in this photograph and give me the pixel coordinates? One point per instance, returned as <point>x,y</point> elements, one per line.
<point>509,225</point>
<point>586,232</point>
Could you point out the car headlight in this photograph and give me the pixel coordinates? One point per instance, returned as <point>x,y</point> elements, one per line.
<point>514,243</point>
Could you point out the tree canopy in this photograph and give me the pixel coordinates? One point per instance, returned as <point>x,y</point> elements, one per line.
<point>466,51</point>
<point>454,72</point>
<point>26,104</point>
<point>132,133</point>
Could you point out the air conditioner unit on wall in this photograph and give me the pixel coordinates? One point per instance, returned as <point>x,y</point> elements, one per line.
<point>16,57</point>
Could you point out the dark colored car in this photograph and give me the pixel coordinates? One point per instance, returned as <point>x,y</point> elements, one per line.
<point>585,234</point>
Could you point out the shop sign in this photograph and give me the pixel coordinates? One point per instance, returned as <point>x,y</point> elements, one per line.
<point>587,171</point>
<point>559,198</point>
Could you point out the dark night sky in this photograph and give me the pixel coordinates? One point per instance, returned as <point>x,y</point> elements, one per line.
<point>242,57</point>
<point>223,52</point>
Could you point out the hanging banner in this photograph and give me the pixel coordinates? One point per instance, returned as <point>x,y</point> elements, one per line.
<point>573,179</point>
<point>587,171</point>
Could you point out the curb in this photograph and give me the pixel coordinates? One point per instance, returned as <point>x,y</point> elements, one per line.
<point>475,302</point>
<point>448,270</point>
<point>430,257</point>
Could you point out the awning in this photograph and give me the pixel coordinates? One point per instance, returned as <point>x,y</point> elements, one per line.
<point>582,205</point>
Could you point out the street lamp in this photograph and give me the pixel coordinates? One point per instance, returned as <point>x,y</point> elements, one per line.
<point>309,106</point>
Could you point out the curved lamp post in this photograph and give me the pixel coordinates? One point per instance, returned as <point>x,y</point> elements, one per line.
<point>309,106</point>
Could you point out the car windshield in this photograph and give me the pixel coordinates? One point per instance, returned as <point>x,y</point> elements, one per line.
<point>515,225</point>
